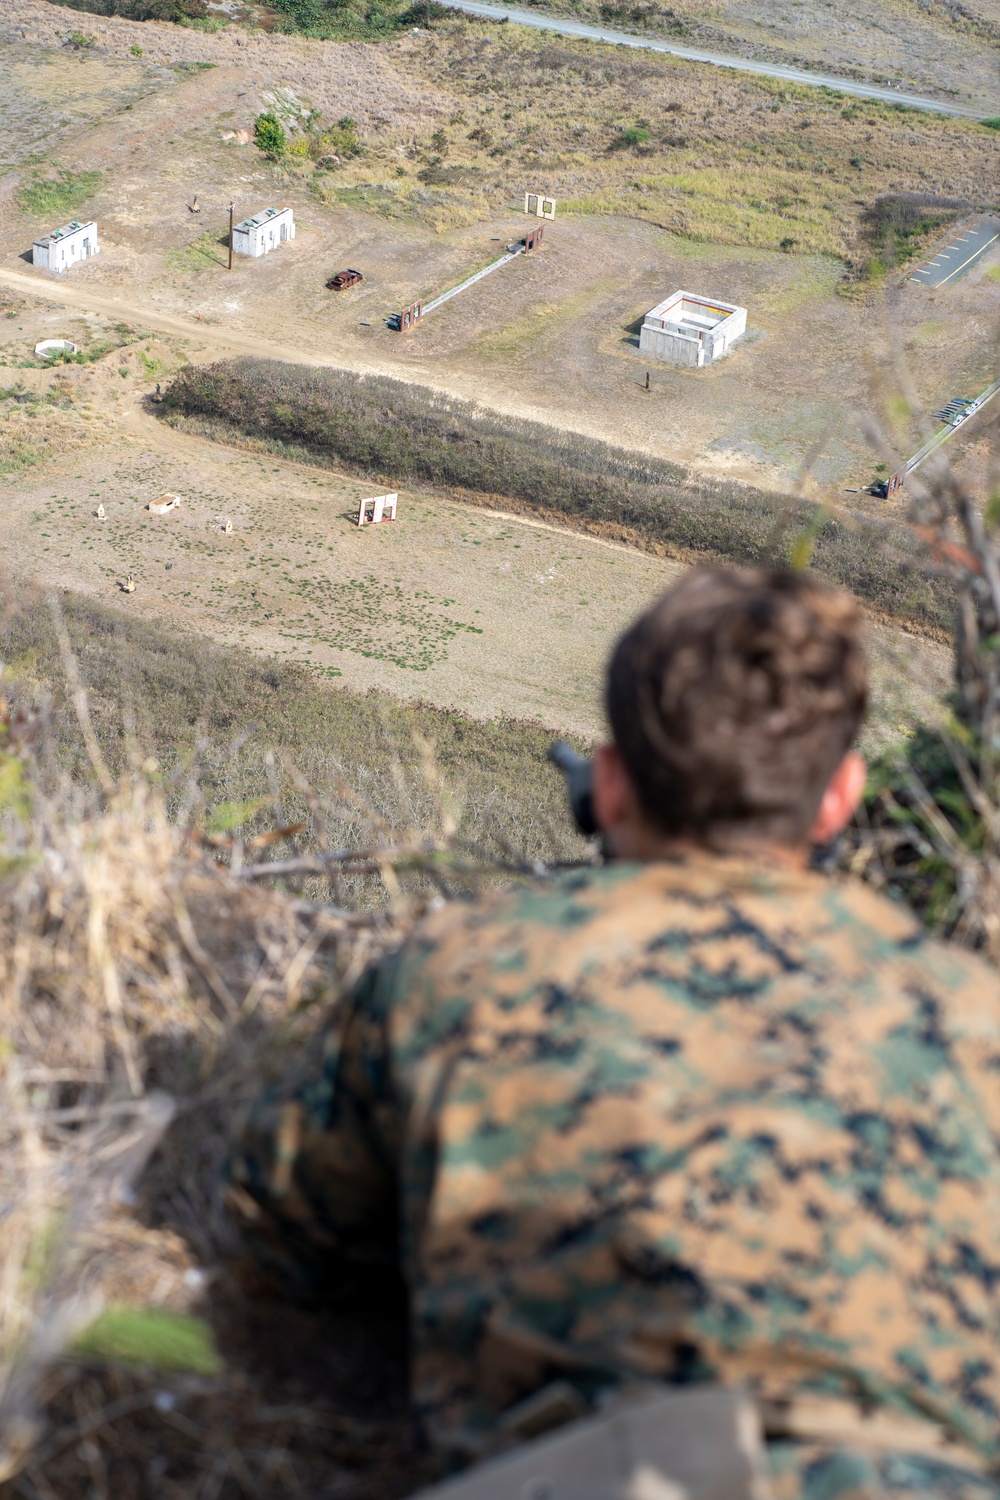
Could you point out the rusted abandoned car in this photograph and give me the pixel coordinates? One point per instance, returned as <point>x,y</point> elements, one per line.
<point>344,279</point>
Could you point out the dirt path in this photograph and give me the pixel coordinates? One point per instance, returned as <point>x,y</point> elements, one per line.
<point>211,342</point>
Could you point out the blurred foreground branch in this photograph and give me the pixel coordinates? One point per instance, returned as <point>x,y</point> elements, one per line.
<point>930,830</point>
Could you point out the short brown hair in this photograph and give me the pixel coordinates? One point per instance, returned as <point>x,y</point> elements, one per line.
<point>733,699</point>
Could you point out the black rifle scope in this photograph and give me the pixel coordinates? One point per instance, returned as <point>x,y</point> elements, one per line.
<point>579,785</point>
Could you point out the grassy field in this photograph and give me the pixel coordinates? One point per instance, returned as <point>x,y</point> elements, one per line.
<point>393,433</point>
<point>717,156</point>
<point>212,717</point>
<point>58,195</point>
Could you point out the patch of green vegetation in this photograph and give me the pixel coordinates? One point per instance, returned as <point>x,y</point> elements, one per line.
<point>152,1337</point>
<point>375,618</point>
<point>357,20</point>
<point>93,352</point>
<point>896,228</point>
<point>201,255</point>
<point>211,24</point>
<point>393,432</point>
<point>341,139</point>
<point>15,456</point>
<point>632,135</point>
<point>59,195</point>
<point>269,136</point>
<point>380,198</point>
<point>142,10</point>
<point>992,124</point>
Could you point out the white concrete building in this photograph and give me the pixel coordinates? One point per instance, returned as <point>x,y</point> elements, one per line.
<point>66,246</point>
<point>271,227</point>
<point>689,330</point>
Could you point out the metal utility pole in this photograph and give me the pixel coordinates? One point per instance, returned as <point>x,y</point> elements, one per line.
<point>231,207</point>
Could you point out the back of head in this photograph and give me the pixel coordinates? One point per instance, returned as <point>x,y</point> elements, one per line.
<point>732,701</point>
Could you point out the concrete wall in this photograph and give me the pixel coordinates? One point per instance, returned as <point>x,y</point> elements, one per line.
<point>672,348</point>
<point>732,329</point>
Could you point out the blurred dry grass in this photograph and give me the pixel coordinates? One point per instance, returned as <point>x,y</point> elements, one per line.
<point>152,979</point>
<point>929,830</point>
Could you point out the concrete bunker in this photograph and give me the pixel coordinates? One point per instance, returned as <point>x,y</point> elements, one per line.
<point>264,232</point>
<point>686,329</point>
<point>67,246</point>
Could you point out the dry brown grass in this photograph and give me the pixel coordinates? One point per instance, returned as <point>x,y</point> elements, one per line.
<point>147,992</point>
<point>730,159</point>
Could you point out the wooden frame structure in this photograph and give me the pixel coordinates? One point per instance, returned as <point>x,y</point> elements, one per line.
<point>539,205</point>
<point>383,507</point>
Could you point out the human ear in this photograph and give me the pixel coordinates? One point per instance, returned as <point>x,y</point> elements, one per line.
<point>613,798</point>
<point>842,795</point>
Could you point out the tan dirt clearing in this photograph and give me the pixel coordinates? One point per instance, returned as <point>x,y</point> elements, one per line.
<point>452,605</point>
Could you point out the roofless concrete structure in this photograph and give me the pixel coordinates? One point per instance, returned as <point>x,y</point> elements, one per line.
<point>686,329</point>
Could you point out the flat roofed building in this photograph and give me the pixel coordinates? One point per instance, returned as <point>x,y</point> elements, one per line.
<point>686,329</point>
<point>266,230</point>
<point>66,246</point>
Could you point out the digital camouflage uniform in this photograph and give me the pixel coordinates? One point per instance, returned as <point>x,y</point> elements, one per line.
<point>686,1121</point>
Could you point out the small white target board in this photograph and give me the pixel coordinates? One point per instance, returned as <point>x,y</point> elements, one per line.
<point>381,508</point>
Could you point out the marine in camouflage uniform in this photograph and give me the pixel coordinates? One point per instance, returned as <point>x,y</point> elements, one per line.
<point>708,1118</point>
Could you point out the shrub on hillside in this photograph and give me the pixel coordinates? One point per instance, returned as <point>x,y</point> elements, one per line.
<point>360,19</point>
<point>896,225</point>
<point>142,10</point>
<point>632,135</point>
<point>269,136</point>
<point>396,432</point>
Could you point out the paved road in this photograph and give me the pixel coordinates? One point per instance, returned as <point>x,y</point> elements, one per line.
<point>959,255</point>
<point>720,59</point>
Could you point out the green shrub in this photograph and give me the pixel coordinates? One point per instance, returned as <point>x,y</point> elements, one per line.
<point>141,10</point>
<point>423,13</point>
<point>895,226</point>
<point>357,19</point>
<point>394,432</point>
<point>993,124</point>
<point>340,140</point>
<point>634,135</point>
<point>268,135</point>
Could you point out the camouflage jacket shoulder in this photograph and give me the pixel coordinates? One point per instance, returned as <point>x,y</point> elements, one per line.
<point>694,1119</point>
